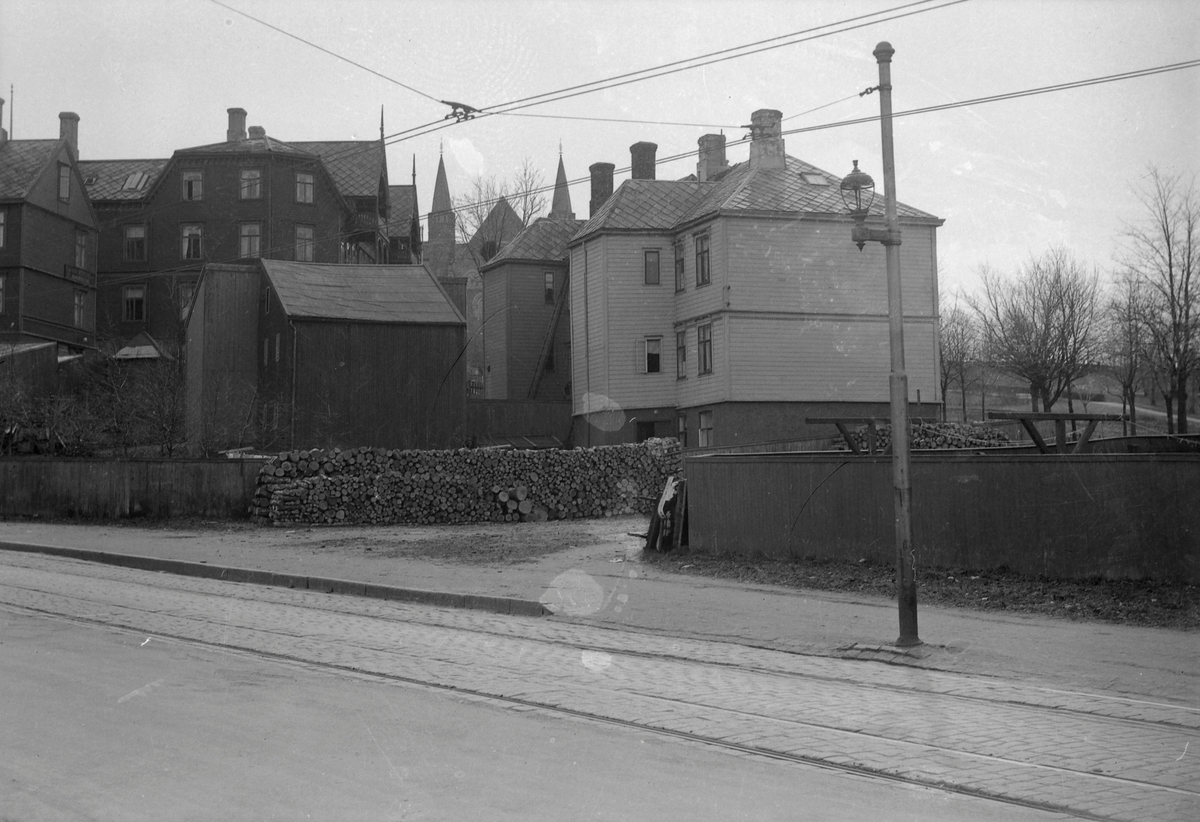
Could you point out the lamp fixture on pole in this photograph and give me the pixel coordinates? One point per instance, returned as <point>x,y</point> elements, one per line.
<point>857,192</point>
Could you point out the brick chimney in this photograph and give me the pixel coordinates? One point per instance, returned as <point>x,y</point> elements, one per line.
<point>257,132</point>
<point>712,157</point>
<point>766,144</point>
<point>68,129</point>
<point>602,185</point>
<point>643,155</point>
<point>237,125</point>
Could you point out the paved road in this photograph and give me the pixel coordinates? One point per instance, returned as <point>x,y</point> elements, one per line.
<point>1100,757</point>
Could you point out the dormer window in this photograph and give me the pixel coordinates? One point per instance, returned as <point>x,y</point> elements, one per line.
<point>135,181</point>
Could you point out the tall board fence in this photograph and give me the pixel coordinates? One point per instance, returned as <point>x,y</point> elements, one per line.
<point>1066,516</point>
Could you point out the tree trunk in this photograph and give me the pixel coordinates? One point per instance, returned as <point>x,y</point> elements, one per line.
<point>1181,402</point>
<point>1033,397</point>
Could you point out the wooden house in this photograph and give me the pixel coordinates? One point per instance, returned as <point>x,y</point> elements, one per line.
<point>730,306</point>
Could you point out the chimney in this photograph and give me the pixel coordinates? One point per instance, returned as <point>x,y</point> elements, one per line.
<point>766,144</point>
<point>3,133</point>
<point>68,129</point>
<point>643,160</point>
<point>602,185</point>
<point>712,157</point>
<point>237,125</point>
<point>257,132</point>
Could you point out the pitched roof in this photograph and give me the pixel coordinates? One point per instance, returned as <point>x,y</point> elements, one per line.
<point>546,239</point>
<point>403,204</point>
<point>561,205</point>
<point>441,190</point>
<point>21,161</point>
<point>355,165</point>
<point>253,145</point>
<point>663,205</point>
<point>114,179</point>
<point>364,293</point>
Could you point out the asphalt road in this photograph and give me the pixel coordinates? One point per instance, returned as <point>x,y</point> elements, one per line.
<point>131,695</point>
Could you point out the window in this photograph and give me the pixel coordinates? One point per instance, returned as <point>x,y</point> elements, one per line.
<point>706,428</point>
<point>304,244</point>
<point>548,286</point>
<point>704,348</point>
<point>651,359</point>
<point>249,237</point>
<point>80,302</point>
<point>187,292</point>
<point>64,182</point>
<point>251,185</point>
<point>681,429</point>
<point>135,242</point>
<point>133,299</point>
<point>679,283</point>
<point>681,355</point>
<point>702,273</point>
<point>304,188</point>
<point>276,346</point>
<point>192,242</point>
<point>651,266</point>
<point>81,249</point>
<point>3,226</point>
<point>193,185</point>
<point>135,181</point>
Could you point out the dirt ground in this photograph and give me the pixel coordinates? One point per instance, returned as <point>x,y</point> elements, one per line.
<point>1129,602</point>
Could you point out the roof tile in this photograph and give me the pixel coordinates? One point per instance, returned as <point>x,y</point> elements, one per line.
<point>21,161</point>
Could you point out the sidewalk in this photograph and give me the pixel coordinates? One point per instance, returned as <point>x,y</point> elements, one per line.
<point>599,579</point>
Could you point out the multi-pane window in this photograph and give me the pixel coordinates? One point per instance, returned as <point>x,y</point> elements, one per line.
<point>304,243</point>
<point>80,302</point>
<point>304,187</point>
<point>249,239</point>
<point>64,181</point>
<point>651,266</point>
<point>548,286</point>
<point>81,249</point>
<point>679,282</point>
<point>135,242</point>
<point>251,184</point>
<point>704,354</point>
<point>192,242</point>
<point>681,429</point>
<point>706,428</point>
<point>651,355</point>
<point>193,185</point>
<point>702,273</point>
<point>681,355</point>
<point>187,292</point>
<point>133,303</point>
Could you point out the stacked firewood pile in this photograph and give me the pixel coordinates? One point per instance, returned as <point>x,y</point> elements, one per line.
<point>378,486</point>
<point>937,435</point>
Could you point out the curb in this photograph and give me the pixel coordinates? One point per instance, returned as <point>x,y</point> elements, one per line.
<point>328,585</point>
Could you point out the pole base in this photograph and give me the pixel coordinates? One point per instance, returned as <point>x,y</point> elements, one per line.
<point>908,642</point>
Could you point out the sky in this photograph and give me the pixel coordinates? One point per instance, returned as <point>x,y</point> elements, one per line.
<point>1010,178</point>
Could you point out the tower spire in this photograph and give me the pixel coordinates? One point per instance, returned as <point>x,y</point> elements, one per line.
<point>560,206</point>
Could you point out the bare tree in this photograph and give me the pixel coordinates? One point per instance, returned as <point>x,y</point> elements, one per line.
<point>494,211</point>
<point>1125,340</point>
<point>1042,326</point>
<point>1162,251</point>
<point>958,350</point>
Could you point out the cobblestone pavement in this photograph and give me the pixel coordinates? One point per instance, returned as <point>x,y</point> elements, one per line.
<point>1101,757</point>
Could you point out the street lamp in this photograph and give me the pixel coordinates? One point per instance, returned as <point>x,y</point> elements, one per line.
<point>857,192</point>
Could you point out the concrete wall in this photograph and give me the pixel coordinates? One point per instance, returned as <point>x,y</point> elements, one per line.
<point>110,489</point>
<point>1091,515</point>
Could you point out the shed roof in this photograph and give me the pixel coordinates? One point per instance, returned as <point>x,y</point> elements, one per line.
<point>363,293</point>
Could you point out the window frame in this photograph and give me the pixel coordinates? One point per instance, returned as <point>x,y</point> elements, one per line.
<point>548,286</point>
<point>308,243</point>
<point>680,268</point>
<point>681,429</point>
<point>306,187</point>
<point>645,351</point>
<point>703,260</point>
<point>185,244</point>
<point>187,293</point>
<point>649,278</point>
<point>133,305</point>
<point>681,354</point>
<point>249,240</point>
<point>80,303</point>
<point>191,184</point>
<point>80,249</point>
<point>250,184</point>
<point>704,349</point>
<point>64,182</point>
<point>705,429</point>
<point>3,226</point>
<point>125,248</point>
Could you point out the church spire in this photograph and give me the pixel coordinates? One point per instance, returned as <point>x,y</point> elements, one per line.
<point>441,190</point>
<point>560,206</point>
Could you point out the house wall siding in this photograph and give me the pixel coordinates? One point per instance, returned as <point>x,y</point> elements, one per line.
<point>589,352</point>
<point>495,333</point>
